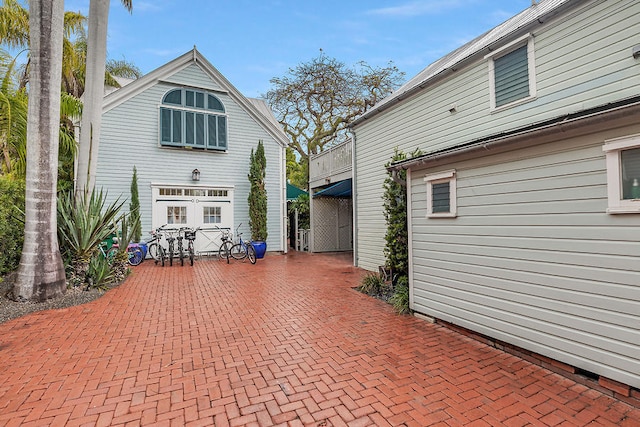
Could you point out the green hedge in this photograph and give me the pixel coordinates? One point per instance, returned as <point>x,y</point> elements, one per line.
<point>11,223</point>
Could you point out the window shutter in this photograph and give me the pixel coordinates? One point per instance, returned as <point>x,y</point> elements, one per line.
<point>511,76</point>
<point>165,124</point>
<point>440,197</point>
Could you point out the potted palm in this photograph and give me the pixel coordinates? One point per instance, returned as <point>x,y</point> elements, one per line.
<point>258,200</point>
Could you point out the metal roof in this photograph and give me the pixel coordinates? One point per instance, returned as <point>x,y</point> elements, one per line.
<point>535,15</point>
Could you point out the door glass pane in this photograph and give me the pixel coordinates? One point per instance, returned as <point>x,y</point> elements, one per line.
<point>630,160</point>
<point>176,214</point>
<point>211,215</point>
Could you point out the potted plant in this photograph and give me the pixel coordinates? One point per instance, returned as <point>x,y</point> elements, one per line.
<point>258,200</point>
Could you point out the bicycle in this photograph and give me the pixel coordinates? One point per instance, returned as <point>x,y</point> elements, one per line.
<point>107,253</point>
<point>155,248</point>
<point>182,234</point>
<point>170,241</point>
<point>243,249</point>
<point>190,235</point>
<point>227,243</point>
<point>135,255</point>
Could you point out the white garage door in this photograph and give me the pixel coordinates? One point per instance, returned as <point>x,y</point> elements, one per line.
<point>209,209</point>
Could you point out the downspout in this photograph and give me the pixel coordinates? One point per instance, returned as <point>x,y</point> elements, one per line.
<point>283,198</point>
<point>354,197</point>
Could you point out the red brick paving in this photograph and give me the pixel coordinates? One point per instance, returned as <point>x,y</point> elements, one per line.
<point>285,342</point>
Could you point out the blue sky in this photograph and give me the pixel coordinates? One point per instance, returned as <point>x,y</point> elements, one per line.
<point>252,41</point>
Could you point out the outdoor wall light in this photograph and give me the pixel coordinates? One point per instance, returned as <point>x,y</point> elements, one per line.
<point>195,175</point>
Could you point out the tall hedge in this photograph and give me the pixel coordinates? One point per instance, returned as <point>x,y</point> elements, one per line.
<point>134,208</point>
<point>258,194</point>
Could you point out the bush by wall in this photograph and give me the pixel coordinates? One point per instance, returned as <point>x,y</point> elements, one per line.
<point>11,222</point>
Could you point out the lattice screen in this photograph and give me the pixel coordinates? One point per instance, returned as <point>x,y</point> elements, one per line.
<point>332,224</point>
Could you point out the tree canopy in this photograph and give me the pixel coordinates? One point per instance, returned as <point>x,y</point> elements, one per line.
<point>317,100</point>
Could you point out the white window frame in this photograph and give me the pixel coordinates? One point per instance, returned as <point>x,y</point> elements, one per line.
<point>612,149</point>
<point>527,40</point>
<point>439,178</point>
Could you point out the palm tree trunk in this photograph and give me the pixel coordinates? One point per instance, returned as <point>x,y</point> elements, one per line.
<point>41,273</point>
<point>93,94</point>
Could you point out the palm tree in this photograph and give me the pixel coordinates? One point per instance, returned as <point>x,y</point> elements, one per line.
<point>41,272</point>
<point>13,116</point>
<point>94,92</point>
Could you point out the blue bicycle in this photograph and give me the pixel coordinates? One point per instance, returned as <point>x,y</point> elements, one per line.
<point>242,250</point>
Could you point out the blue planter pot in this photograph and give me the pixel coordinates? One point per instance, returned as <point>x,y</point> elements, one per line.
<point>261,248</point>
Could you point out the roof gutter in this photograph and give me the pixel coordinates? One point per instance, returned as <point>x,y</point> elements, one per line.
<point>569,122</point>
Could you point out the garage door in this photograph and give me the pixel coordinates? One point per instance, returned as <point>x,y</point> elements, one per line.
<point>209,209</point>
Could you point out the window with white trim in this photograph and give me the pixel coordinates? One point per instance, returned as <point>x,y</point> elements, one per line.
<point>441,195</point>
<point>623,174</point>
<point>176,215</point>
<point>211,215</point>
<point>190,118</point>
<point>512,73</point>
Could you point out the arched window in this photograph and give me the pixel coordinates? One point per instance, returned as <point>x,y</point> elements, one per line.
<point>190,118</point>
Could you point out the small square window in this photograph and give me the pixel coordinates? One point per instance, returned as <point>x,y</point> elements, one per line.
<point>441,195</point>
<point>623,174</point>
<point>512,78</point>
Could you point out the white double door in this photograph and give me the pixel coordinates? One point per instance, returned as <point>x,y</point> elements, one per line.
<point>208,209</point>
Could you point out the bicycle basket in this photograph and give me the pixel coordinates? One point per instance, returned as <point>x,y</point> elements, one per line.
<point>190,235</point>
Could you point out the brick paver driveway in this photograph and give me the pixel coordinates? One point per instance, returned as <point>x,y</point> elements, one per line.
<point>283,342</point>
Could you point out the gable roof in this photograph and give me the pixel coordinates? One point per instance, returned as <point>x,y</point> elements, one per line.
<point>524,22</point>
<point>256,108</point>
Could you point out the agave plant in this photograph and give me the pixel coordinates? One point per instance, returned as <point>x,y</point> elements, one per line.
<point>126,230</point>
<point>83,223</point>
<point>99,273</point>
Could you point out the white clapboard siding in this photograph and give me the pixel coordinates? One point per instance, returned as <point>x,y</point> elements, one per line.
<point>129,138</point>
<point>536,262</point>
<point>583,60</point>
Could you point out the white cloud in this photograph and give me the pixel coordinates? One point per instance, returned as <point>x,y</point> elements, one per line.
<point>416,8</point>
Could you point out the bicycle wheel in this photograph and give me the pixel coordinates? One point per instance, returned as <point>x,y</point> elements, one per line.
<point>191,255</point>
<point>225,250</point>
<point>251,253</point>
<point>161,255</point>
<point>111,254</point>
<point>238,251</point>
<point>170,254</point>
<point>135,256</point>
<point>152,249</point>
<point>181,256</point>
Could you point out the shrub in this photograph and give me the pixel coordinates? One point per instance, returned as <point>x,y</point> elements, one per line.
<point>134,208</point>
<point>83,223</point>
<point>120,263</point>
<point>99,273</point>
<point>258,194</point>
<point>400,299</point>
<point>372,284</point>
<point>11,222</point>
